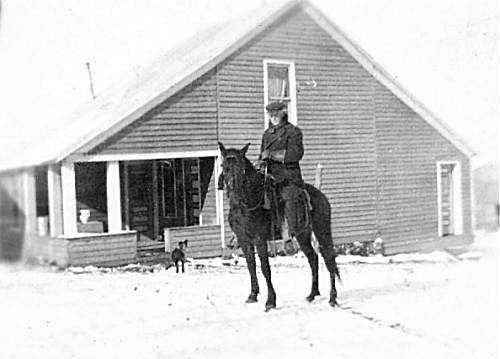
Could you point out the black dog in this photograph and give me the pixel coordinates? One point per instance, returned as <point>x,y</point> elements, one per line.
<point>179,255</point>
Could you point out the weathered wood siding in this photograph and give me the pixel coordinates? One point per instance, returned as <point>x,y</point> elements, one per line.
<point>45,249</point>
<point>407,151</point>
<point>336,116</point>
<point>203,241</point>
<point>108,249</point>
<point>105,249</point>
<point>185,122</point>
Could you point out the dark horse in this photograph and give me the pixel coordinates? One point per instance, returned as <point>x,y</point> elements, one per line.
<point>253,225</point>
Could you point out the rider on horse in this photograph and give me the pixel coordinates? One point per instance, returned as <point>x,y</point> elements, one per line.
<point>281,150</point>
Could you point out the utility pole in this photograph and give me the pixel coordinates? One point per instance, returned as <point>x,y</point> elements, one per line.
<point>91,82</point>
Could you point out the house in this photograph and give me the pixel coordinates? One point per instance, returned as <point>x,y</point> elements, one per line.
<point>486,200</point>
<point>142,159</point>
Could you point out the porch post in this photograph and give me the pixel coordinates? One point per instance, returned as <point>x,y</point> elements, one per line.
<point>219,200</point>
<point>55,200</point>
<point>68,198</point>
<point>113,196</point>
<point>29,200</point>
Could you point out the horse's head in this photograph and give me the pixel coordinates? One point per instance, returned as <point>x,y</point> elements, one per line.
<point>235,166</point>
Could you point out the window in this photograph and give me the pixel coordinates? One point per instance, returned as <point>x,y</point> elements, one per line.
<point>279,85</point>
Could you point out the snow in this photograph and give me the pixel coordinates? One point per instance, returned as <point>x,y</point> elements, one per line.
<point>405,306</point>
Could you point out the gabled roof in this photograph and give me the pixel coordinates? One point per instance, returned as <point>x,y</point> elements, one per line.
<point>125,102</point>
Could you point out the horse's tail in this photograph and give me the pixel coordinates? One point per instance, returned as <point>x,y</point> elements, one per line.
<point>321,222</point>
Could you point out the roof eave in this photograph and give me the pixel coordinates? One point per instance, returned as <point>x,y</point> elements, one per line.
<point>156,100</point>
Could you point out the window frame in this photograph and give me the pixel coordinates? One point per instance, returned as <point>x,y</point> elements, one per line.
<point>292,113</point>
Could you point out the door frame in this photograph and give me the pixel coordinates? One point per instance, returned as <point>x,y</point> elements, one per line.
<point>457,205</point>
<point>126,196</point>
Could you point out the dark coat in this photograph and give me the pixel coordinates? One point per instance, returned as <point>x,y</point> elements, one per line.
<point>282,145</point>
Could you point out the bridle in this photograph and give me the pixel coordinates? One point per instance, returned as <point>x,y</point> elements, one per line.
<point>242,202</point>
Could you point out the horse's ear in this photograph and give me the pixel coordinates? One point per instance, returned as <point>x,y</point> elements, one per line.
<point>222,149</point>
<point>245,149</point>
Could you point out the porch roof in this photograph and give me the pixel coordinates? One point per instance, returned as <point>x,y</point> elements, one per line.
<point>121,104</point>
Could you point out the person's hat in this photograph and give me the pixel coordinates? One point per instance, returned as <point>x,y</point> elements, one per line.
<point>275,106</point>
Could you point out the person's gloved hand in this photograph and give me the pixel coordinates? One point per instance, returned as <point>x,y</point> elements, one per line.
<point>278,156</point>
<point>220,182</point>
<point>259,165</point>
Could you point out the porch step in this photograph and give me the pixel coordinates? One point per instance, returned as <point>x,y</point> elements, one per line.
<point>147,245</point>
<point>154,256</point>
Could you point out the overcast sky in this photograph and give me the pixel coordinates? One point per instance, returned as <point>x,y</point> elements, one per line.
<point>445,52</point>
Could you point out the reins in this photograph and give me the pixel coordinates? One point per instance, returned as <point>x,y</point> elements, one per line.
<point>260,202</point>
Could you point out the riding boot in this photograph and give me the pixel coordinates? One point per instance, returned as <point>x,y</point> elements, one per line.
<point>296,209</point>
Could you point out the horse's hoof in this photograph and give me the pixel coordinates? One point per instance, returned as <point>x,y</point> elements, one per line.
<point>270,306</point>
<point>333,303</point>
<point>252,298</point>
<point>311,297</point>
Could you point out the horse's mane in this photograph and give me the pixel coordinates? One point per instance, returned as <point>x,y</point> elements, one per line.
<point>250,190</point>
<point>256,177</point>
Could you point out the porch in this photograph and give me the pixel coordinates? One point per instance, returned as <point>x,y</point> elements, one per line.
<point>116,249</point>
<point>112,211</point>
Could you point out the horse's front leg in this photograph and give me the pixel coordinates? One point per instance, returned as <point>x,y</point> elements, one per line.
<point>249,251</point>
<point>266,270</point>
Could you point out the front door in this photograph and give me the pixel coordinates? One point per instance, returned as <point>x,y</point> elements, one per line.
<point>140,197</point>
<point>447,199</point>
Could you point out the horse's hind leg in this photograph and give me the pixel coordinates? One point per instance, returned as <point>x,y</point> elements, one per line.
<point>304,240</point>
<point>266,270</point>
<point>249,252</point>
<point>328,252</point>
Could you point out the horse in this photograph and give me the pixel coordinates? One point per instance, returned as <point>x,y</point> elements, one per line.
<point>252,223</point>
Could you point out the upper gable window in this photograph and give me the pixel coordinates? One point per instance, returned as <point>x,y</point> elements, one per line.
<point>279,85</point>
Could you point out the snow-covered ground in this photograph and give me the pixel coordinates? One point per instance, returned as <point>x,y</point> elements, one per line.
<point>409,306</point>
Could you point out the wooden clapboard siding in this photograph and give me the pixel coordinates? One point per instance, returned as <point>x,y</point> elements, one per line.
<point>103,250</point>
<point>336,116</point>
<point>407,151</point>
<point>185,122</point>
<point>47,249</point>
<point>430,244</point>
<point>203,241</point>
<point>209,211</point>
